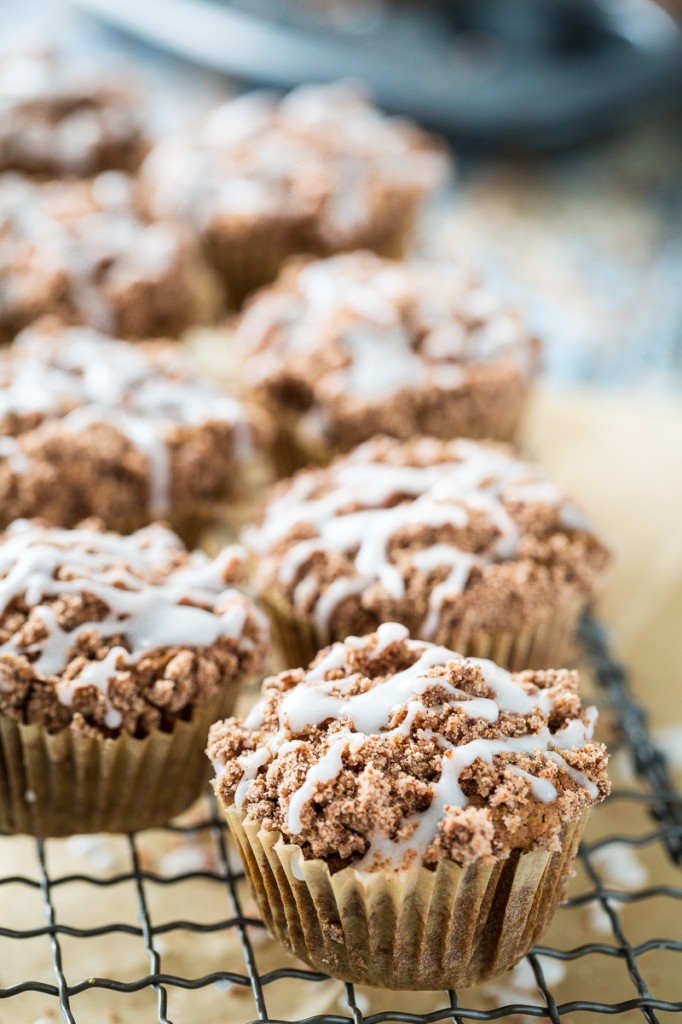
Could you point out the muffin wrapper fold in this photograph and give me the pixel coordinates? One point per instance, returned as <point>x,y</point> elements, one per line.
<point>65,783</point>
<point>545,643</point>
<point>415,929</point>
<point>249,260</point>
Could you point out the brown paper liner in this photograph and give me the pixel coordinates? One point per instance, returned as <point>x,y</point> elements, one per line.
<point>66,783</point>
<point>249,261</point>
<point>546,643</point>
<point>415,929</point>
<point>291,452</point>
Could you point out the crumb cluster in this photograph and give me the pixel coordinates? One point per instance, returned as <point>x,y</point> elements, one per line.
<point>354,762</point>
<point>89,252</point>
<point>355,345</point>
<point>105,634</point>
<point>437,535</point>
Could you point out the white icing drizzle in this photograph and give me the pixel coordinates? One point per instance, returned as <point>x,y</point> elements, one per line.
<point>377,327</point>
<point>134,577</point>
<point>370,713</point>
<point>313,155</point>
<point>476,478</point>
<point>85,378</point>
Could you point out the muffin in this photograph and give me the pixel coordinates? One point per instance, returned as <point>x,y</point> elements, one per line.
<point>89,252</point>
<point>408,818</point>
<point>461,541</point>
<point>343,348</point>
<point>62,116</point>
<point>92,425</point>
<point>116,655</point>
<point>319,171</point>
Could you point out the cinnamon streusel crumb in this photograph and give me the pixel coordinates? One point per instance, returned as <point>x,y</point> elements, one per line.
<point>388,750</point>
<point>105,634</point>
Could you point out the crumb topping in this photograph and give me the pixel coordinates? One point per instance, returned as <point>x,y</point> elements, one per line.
<point>322,158</point>
<point>59,115</point>
<point>338,336</point>
<point>89,252</point>
<point>430,533</point>
<point>105,633</point>
<point>388,750</point>
<point>60,383</point>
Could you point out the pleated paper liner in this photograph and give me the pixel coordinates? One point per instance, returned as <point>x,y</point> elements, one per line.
<point>291,450</point>
<point>545,643</point>
<point>250,258</point>
<point>415,929</point>
<point>65,783</point>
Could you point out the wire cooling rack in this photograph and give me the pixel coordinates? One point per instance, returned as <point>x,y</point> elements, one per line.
<point>652,801</point>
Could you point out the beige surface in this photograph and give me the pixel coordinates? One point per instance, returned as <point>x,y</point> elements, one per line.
<point>622,458</point>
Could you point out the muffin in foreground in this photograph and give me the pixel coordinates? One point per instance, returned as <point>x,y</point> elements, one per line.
<point>319,171</point>
<point>89,252</point>
<point>343,348</point>
<point>461,541</point>
<point>116,655</point>
<point>62,116</point>
<point>94,426</point>
<point>408,818</point>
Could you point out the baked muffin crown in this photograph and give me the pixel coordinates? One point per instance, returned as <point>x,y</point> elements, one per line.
<point>61,115</point>
<point>67,390</point>
<point>389,751</point>
<point>322,157</point>
<point>106,633</point>
<point>431,533</point>
<point>359,345</point>
<point>89,251</point>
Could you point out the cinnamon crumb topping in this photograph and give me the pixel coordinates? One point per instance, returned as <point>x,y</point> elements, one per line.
<point>355,345</point>
<point>388,750</point>
<point>437,535</point>
<point>89,252</point>
<point>104,633</point>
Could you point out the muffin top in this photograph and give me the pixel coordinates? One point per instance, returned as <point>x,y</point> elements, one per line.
<point>389,751</point>
<point>356,344</point>
<point>106,634</point>
<point>138,406</point>
<point>61,116</point>
<point>439,535</point>
<point>89,251</point>
<point>321,158</point>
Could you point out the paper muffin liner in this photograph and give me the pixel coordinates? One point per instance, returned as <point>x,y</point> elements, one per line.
<point>249,260</point>
<point>292,450</point>
<point>64,783</point>
<point>414,929</point>
<point>545,643</point>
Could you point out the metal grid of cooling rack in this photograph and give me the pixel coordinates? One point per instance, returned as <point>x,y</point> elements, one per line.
<point>659,797</point>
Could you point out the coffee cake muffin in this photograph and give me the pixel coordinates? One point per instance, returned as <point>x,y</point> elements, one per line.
<point>92,425</point>
<point>89,252</point>
<point>62,116</point>
<point>319,171</point>
<point>408,818</point>
<point>462,541</point>
<point>344,348</point>
<point>116,654</point>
